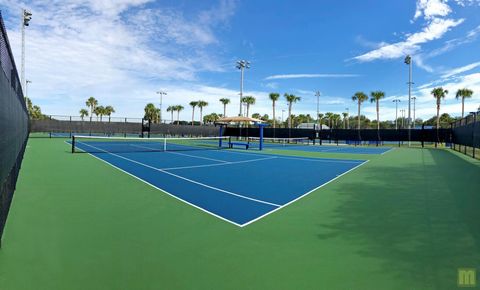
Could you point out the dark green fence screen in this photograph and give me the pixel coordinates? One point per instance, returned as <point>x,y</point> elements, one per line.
<point>13,126</point>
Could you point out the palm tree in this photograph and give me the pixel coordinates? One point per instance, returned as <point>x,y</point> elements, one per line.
<point>109,110</point>
<point>320,118</point>
<point>201,104</point>
<point>249,100</point>
<point>360,97</point>
<point>376,97</point>
<point>329,116</point>
<point>225,102</point>
<point>99,111</point>
<point>83,113</point>
<point>463,94</point>
<point>193,104</point>
<point>274,97</point>
<point>171,109</point>
<point>178,109</point>
<point>336,118</point>
<point>345,115</point>
<point>439,94</point>
<point>152,113</point>
<point>290,99</point>
<point>91,103</point>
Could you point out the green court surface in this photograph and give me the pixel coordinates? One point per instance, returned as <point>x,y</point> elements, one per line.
<point>407,219</point>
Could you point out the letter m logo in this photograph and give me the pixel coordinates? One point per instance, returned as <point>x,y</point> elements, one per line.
<point>467,277</point>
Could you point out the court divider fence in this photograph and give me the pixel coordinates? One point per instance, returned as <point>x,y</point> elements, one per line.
<point>13,126</point>
<point>466,135</point>
<point>351,136</point>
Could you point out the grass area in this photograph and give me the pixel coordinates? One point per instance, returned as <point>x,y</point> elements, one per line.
<point>405,220</point>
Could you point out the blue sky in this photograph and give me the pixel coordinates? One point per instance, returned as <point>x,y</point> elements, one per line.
<point>122,52</point>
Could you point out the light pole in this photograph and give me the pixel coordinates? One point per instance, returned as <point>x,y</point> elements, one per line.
<point>26,87</point>
<point>283,111</point>
<point>242,65</point>
<point>413,99</point>
<point>26,17</point>
<point>408,61</point>
<point>161,93</point>
<point>402,111</point>
<point>396,101</point>
<point>348,117</point>
<point>317,94</point>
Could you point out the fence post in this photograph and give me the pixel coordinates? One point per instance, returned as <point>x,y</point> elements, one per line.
<point>423,135</point>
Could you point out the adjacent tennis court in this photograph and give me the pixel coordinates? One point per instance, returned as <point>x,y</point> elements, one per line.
<point>236,186</point>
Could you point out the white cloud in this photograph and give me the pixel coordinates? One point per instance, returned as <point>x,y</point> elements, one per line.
<point>434,30</point>
<point>299,76</point>
<point>113,50</point>
<point>430,9</point>
<point>459,70</point>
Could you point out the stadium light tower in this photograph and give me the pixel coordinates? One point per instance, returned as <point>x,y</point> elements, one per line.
<point>413,99</point>
<point>26,87</point>
<point>408,61</point>
<point>317,94</point>
<point>161,93</point>
<point>242,65</point>
<point>396,101</point>
<point>26,17</point>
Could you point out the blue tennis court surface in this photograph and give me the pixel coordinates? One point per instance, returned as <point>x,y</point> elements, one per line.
<point>238,187</point>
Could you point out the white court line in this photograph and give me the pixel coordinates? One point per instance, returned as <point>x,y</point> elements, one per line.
<point>199,157</point>
<point>163,190</point>
<point>388,150</point>
<point>219,164</point>
<point>184,178</point>
<point>303,195</point>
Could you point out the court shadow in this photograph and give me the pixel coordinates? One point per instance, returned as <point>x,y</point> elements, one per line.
<point>420,217</point>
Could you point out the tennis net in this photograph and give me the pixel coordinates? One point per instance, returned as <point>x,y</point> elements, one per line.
<point>100,144</point>
<point>279,142</point>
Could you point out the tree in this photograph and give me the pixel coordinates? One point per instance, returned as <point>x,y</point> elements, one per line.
<point>376,97</point>
<point>274,98</point>
<point>256,116</point>
<point>439,94</point>
<point>211,118</point>
<point>329,116</point>
<point>320,119</point>
<point>249,100</point>
<point>463,94</point>
<point>178,108</point>
<point>201,104</point>
<point>171,109</point>
<point>109,110</point>
<point>290,99</point>
<point>336,118</point>
<point>91,103</point>
<point>152,113</point>
<point>345,115</point>
<point>193,104</point>
<point>359,97</point>
<point>99,111</point>
<point>83,113</point>
<point>225,102</point>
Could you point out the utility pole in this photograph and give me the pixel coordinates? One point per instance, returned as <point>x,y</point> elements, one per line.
<point>413,99</point>
<point>317,94</point>
<point>396,101</point>
<point>161,93</point>
<point>242,65</point>
<point>26,17</point>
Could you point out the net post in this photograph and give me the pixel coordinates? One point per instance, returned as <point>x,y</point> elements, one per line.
<point>220,134</point>
<point>73,143</point>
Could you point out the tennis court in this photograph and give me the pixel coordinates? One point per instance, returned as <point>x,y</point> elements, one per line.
<point>236,186</point>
